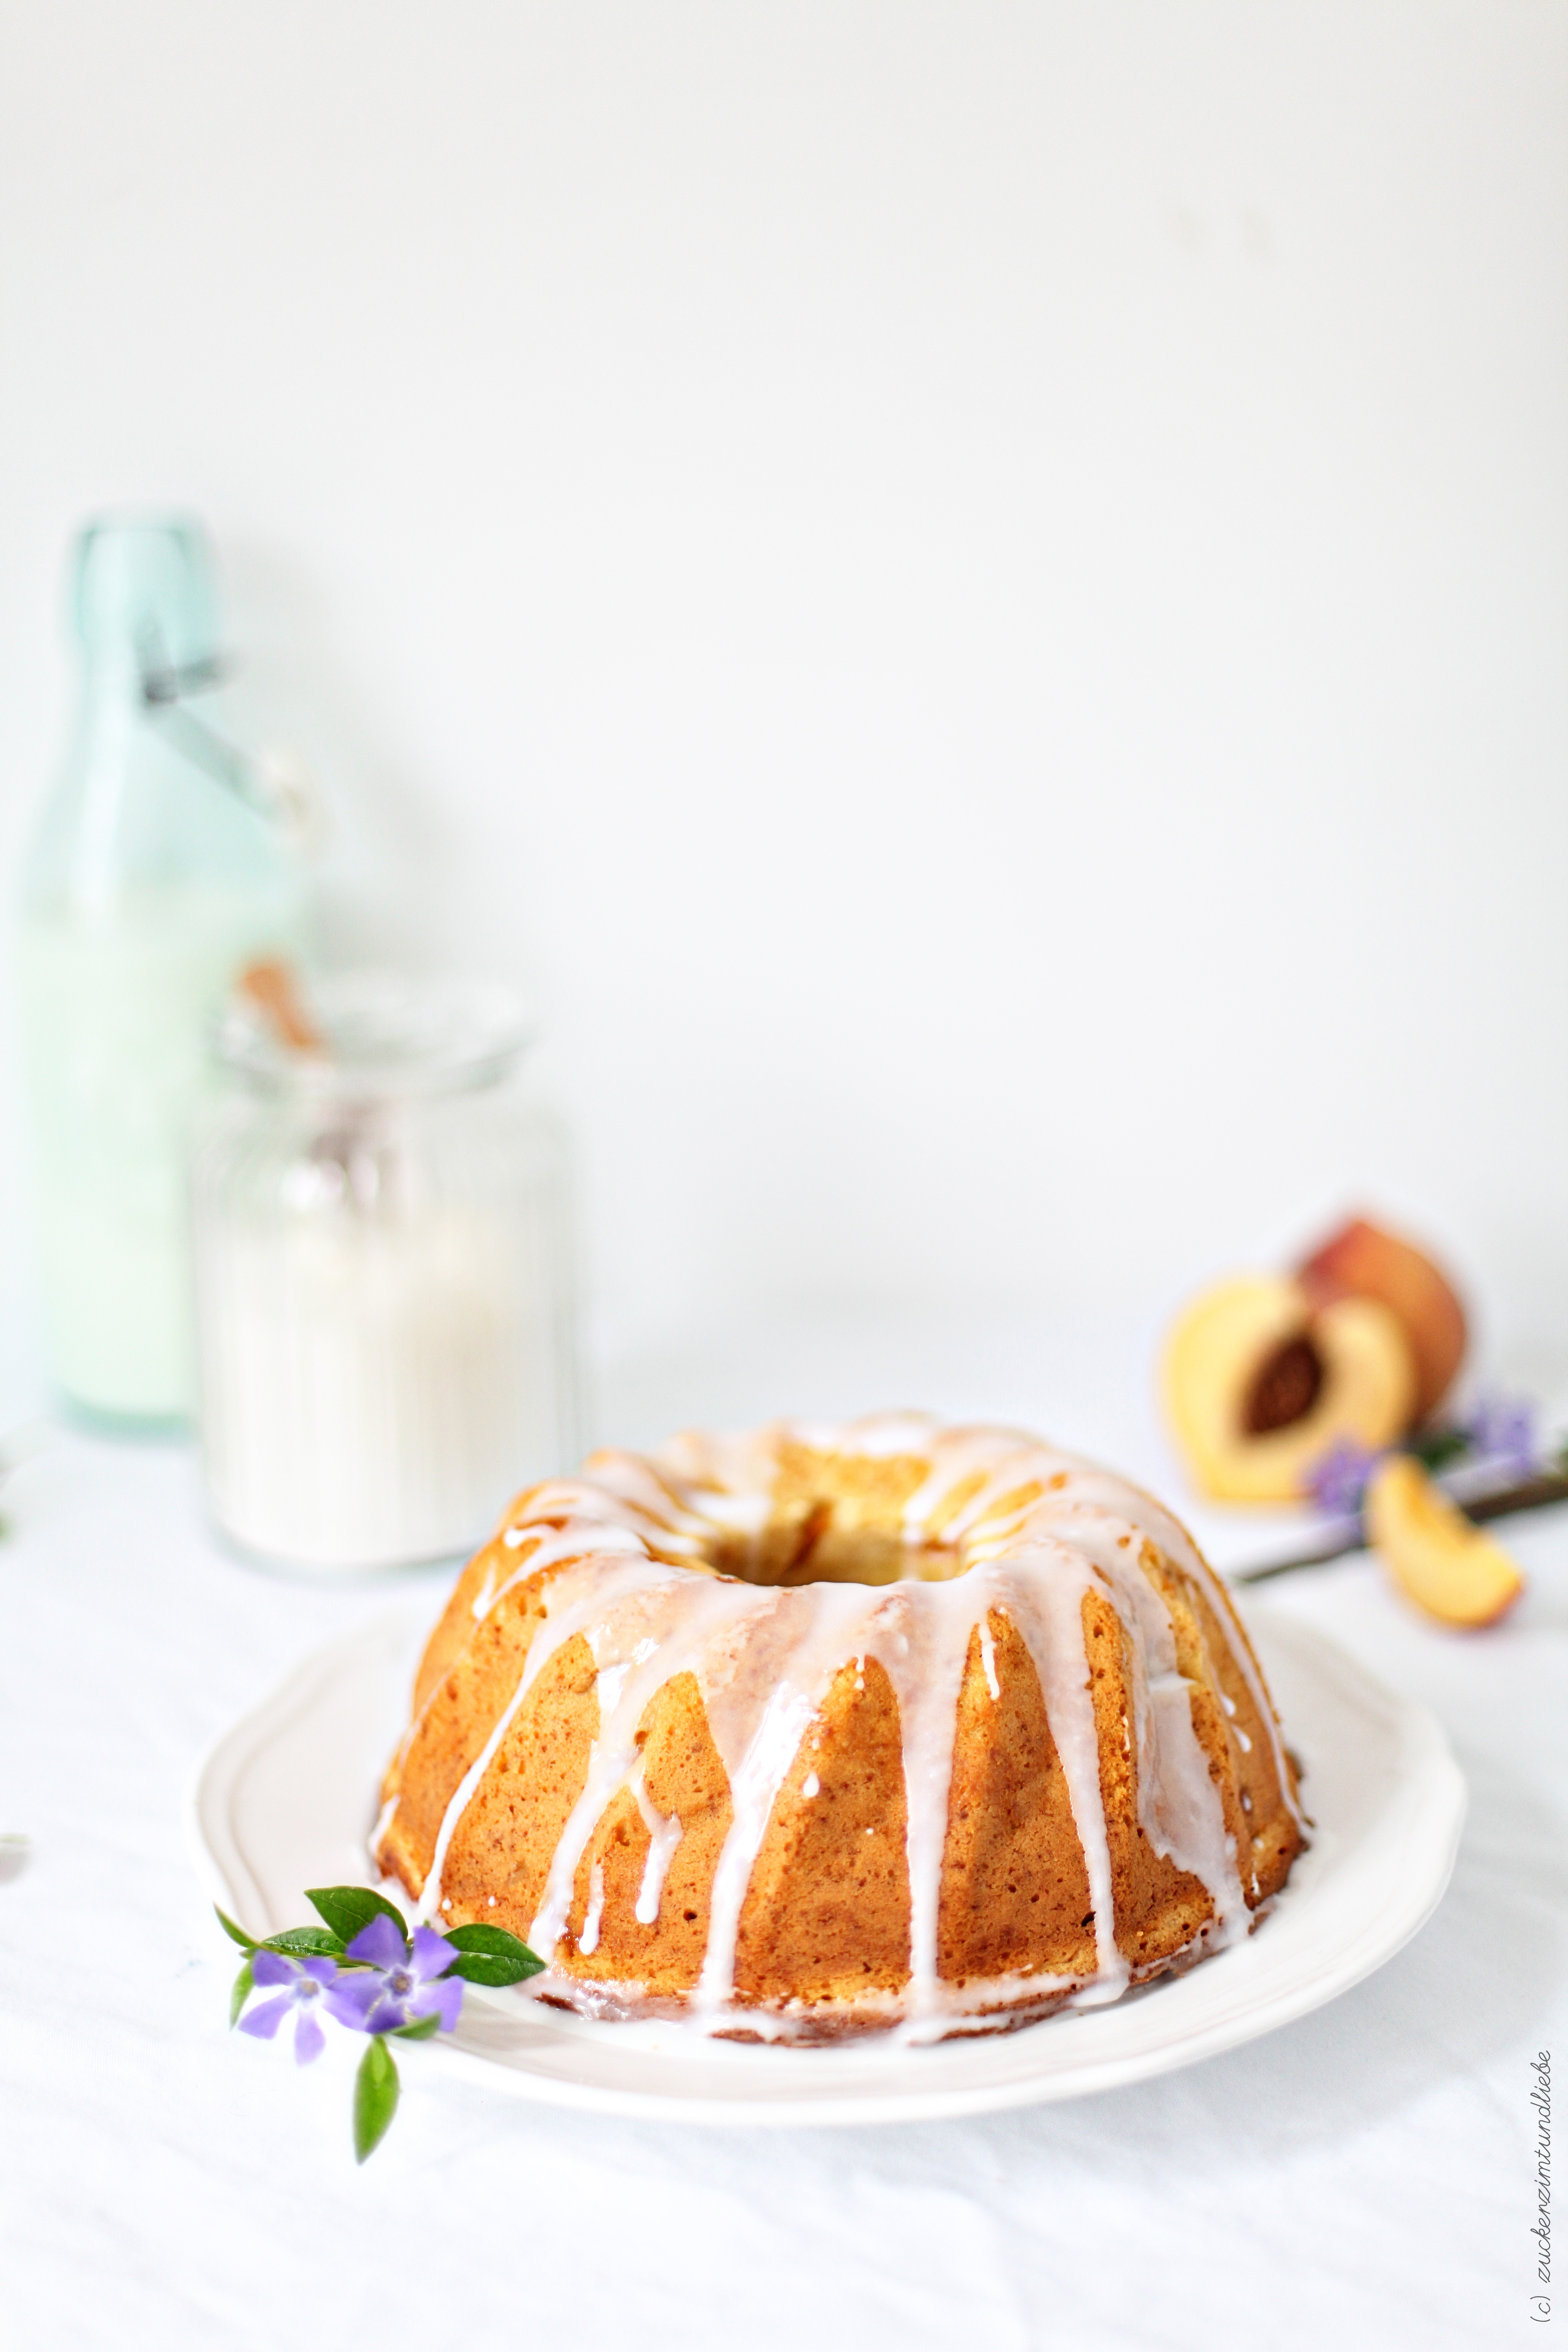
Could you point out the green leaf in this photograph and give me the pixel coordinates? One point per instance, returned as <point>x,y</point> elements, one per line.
<point>375,2096</point>
<point>420,2031</point>
<point>243,1984</point>
<point>489,1955</point>
<point>1437,1447</point>
<point>307,1943</point>
<point>481,1938</point>
<point>478,1968</point>
<point>237,1934</point>
<point>348,1909</point>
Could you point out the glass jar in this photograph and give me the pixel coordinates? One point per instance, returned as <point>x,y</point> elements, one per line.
<point>383,1305</point>
<point>150,884</point>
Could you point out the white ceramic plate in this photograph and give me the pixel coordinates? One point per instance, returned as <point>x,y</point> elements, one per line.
<point>286,1798</point>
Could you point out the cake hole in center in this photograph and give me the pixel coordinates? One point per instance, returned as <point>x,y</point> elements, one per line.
<point>816,1548</point>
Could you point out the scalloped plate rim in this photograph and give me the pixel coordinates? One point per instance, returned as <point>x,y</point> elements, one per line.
<point>1302,1953</point>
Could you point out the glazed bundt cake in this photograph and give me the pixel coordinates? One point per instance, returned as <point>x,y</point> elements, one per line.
<point>818,1729</point>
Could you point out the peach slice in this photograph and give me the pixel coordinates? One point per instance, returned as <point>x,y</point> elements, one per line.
<point>1363,1261</point>
<point>1437,1558</point>
<point>1258,1386</point>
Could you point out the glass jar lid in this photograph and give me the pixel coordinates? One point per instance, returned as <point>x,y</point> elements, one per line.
<point>372,1034</point>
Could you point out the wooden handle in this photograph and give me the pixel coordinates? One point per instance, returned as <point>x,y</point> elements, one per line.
<point>270,985</point>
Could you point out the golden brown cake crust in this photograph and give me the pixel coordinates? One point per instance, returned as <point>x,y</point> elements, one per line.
<point>807,1732</point>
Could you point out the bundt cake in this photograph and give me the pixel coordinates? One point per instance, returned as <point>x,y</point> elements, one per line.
<point>822,1728</point>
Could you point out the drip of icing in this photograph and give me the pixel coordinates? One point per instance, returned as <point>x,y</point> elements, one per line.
<point>664,1834</point>
<point>1047,1609</point>
<point>584,1590</point>
<point>988,1658</point>
<point>576,1540</point>
<point>1167,1532</point>
<point>919,1634</point>
<point>1012,1460</point>
<point>991,1521</point>
<point>1178,1802</point>
<point>927,1676</point>
<point>811,1786</point>
<point>574,1544</point>
<point>760,1700</point>
<point>636,1654</point>
<point>588,1941</point>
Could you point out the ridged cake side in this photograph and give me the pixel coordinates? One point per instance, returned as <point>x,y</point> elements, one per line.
<point>665,1733</point>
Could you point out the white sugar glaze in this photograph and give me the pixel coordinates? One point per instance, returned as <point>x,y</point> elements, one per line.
<point>664,1834</point>
<point>1035,1530</point>
<point>588,1941</point>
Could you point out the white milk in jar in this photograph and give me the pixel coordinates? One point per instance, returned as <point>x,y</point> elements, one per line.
<point>382,1280</point>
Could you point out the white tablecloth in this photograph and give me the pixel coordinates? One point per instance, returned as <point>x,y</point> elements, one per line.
<point>1363,2177</point>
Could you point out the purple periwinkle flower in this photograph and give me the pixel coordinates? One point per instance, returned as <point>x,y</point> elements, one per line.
<point>312,1985</point>
<point>1338,1480</point>
<point>398,1984</point>
<point>1504,1427</point>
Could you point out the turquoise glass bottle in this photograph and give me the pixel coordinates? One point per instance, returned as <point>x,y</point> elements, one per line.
<point>153,879</point>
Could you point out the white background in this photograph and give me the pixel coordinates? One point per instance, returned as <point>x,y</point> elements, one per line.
<point>974,594</point>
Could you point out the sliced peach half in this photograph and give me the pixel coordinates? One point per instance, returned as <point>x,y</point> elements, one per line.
<point>1365,1261</point>
<point>1437,1558</point>
<point>1258,1386</point>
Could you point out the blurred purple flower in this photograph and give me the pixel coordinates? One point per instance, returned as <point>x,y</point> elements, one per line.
<point>313,1985</point>
<point>1504,1428</point>
<point>398,1986</point>
<point>1338,1480</point>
